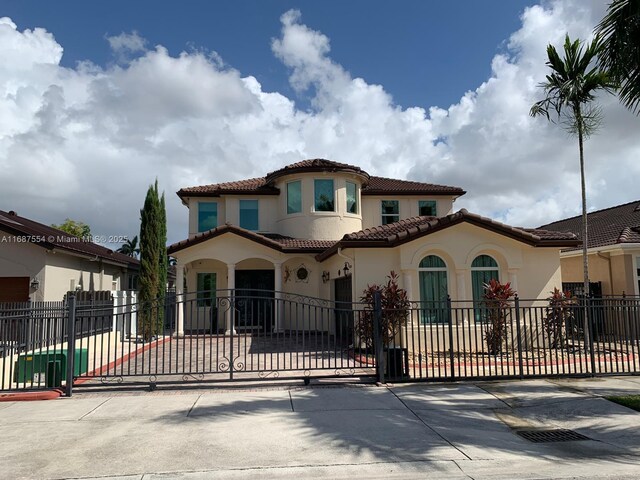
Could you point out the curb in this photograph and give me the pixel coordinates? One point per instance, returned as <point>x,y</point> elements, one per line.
<point>31,396</point>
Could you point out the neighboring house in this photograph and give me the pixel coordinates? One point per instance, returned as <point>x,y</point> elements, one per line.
<point>613,248</point>
<point>41,263</point>
<point>326,229</point>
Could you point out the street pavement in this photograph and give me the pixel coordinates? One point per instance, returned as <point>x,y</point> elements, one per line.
<point>452,431</point>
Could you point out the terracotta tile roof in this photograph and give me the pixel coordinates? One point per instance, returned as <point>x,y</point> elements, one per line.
<point>316,165</point>
<point>397,233</point>
<point>610,226</point>
<point>251,186</point>
<point>277,242</point>
<point>387,186</point>
<point>371,185</point>
<point>52,238</point>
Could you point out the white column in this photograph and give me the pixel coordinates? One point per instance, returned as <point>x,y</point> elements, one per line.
<point>231,286</point>
<point>277,271</point>
<point>407,281</point>
<point>513,278</point>
<point>180,300</point>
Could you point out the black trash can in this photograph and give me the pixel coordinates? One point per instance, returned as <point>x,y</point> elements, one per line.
<point>397,363</point>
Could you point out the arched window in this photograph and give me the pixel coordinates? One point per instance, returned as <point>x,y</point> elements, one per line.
<point>433,289</point>
<point>483,269</point>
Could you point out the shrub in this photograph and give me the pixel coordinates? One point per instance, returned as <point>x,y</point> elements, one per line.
<point>558,314</point>
<point>497,308</point>
<point>395,310</point>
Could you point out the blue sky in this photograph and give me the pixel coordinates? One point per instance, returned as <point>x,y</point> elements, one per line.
<point>423,52</point>
<point>99,99</point>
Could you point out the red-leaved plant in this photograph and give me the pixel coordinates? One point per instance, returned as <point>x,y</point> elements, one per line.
<point>497,308</point>
<point>558,313</point>
<point>395,310</point>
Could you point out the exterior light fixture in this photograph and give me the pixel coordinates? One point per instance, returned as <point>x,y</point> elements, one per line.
<point>35,284</point>
<point>347,269</point>
<point>326,276</point>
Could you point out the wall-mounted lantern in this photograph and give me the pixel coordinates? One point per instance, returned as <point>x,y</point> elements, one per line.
<point>35,284</point>
<point>326,276</point>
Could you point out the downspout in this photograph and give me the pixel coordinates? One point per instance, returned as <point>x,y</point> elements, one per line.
<point>608,258</point>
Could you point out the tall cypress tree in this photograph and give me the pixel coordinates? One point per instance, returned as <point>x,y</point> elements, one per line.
<point>153,261</point>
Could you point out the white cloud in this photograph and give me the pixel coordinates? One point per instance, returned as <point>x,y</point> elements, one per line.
<point>86,142</point>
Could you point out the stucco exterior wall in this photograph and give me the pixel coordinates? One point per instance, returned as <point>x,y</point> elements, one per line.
<point>23,260</point>
<point>615,270</point>
<point>372,207</point>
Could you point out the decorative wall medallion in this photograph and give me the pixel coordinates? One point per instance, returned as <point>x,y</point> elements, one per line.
<point>302,274</point>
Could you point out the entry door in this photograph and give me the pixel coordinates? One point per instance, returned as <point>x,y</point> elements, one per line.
<point>14,289</point>
<point>254,300</point>
<point>344,311</point>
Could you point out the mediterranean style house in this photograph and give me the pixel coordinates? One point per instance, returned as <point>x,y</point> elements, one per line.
<point>42,263</point>
<point>613,248</point>
<point>324,229</point>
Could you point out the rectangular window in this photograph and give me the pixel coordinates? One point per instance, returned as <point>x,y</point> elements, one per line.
<point>352,198</point>
<point>324,196</point>
<point>207,216</point>
<point>206,289</point>
<point>427,208</point>
<point>249,214</point>
<point>390,211</point>
<point>294,197</point>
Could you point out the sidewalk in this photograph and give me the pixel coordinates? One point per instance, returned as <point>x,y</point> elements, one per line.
<point>456,431</point>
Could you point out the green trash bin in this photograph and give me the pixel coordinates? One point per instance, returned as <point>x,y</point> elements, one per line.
<point>54,374</point>
<point>30,366</point>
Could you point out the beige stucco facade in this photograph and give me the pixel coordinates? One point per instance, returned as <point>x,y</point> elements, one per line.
<point>616,267</point>
<point>56,271</point>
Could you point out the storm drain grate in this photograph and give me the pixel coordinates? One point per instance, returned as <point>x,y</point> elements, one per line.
<point>556,435</point>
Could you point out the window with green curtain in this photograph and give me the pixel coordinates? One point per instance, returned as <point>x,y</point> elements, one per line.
<point>294,197</point>
<point>324,195</point>
<point>206,285</point>
<point>483,269</point>
<point>249,214</point>
<point>390,211</point>
<point>352,198</point>
<point>427,208</point>
<point>432,274</point>
<point>207,216</point>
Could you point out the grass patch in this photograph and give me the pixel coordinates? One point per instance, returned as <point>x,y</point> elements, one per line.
<point>630,401</point>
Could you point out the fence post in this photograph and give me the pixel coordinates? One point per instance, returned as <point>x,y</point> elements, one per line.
<point>519,337</point>
<point>451,353</point>
<point>232,312</point>
<point>71,343</point>
<point>592,352</point>
<point>377,335</point>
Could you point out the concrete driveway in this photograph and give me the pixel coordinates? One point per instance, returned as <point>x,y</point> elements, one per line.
<point>456,431</point>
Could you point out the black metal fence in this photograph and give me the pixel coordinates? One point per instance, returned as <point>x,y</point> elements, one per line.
<point>229,335</point>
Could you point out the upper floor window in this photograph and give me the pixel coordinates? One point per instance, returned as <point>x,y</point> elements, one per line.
<point>249,214</point>
<point>324,196</point>
<point>390,211</point>
<point>352,198</point>
<point>427,208</point>
<point>294,197</point>
<point>207,216</point>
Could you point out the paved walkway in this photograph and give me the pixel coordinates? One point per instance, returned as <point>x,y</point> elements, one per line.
<point>456,431</point>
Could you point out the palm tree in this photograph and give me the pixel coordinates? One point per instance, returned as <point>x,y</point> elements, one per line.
<point>620,54</point>
<point>130,247</point>
<point>570,89</point>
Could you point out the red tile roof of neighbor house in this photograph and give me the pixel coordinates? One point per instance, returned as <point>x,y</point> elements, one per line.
<point>610,226</point>
<point>390,235</point>
<point>52,239</point>
<point>371,185</point>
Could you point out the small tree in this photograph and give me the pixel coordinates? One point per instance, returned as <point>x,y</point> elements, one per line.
<point>74,227</point>
<point>497,308</point>
<point>558,313</point>
<point>152,257</point>
<point>395,310</point>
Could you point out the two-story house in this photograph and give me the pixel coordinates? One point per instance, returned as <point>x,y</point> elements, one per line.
<point>325,229</point>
